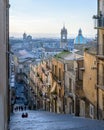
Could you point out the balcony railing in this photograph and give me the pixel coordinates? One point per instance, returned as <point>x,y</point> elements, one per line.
<point>79,84</point>
<point>100,82</point>
<point>48,67</point>
<point>100,57</point>
<point>57,79</point>
<point>98,21</point>
<point>69,94</point>
<point>100,51</point>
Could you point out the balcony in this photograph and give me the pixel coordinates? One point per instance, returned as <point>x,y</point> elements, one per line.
<point>100,86</point>
<point>100,51</point>
<point>54,77</point>
<point>37,74</point>
<point>82,69</point>
<point>100,82</point>
<point>69,94</point>
<point>43,70</point>
<point>98,21</point>
<point>79,84</point>
<point>48,67</point>
<point>101,57</point>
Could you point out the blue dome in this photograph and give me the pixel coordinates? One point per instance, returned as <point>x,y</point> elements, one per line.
<point>80,39</point>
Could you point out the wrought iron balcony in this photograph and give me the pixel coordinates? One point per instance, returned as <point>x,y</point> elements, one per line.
<point>82,69</point>
<point>69,94</point>
<point>98,21</point>
<point>101,57</point>
<point>100,82</point>
<point>100,86</point>
<point>100,50</point>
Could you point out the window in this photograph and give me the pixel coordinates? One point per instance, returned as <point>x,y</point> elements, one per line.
<point>63,75</point>
<point>59,74</point>
<point>70,84</point>
<point>53,68</point>
<point>103,74</point>
<point>65,101</point>
<point>82,110</point>
<point>59,92</point>
<point>20,70</point>
<point>103,45</point>
<point>103,102</point>
<point>91,111</point>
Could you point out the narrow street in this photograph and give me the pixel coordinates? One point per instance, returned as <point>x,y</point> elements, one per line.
<point>42,120</point>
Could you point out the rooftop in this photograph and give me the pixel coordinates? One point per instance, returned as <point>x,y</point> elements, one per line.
<point>67,56</point>
<point>62,54</point>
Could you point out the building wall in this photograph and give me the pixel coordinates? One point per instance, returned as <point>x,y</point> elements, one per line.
<point>58,77</point>
<point>101,88</point>
<point>41,83</point>
<point>3,65</point>
<point>101,62</point>
<point>73,82</point>
<point>90,80</point>
<point>89,77</point>
<point>101,105</point>
<point>101,42</point>
<point>101,6</point>
<point>69,90</point>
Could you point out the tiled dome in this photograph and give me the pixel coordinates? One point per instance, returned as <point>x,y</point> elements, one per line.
<point>80,39</point>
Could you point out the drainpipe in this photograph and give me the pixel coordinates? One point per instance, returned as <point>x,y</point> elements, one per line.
<point>7,61</point>
<point>64,91</point>
<point>97,89</point>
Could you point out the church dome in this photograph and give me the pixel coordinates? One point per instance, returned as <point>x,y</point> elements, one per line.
<point>80,39</point>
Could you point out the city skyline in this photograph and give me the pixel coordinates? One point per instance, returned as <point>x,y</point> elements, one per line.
<point>46,18</point>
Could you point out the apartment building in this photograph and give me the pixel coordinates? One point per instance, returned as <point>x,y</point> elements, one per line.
<point>99,25</point>
<point>57,90</point>
<point>64,75</point>
<point>40,85</point>
<point>73,82</point>
<point>4,39</point>
<point>88,100</point>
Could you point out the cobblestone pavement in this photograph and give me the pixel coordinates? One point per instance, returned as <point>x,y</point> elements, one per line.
<point>41,120</point>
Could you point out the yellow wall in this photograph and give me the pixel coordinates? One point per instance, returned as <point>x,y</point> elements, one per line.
<point>60,87</point>
<point>60,65</point>
<point>101,80</point>
<point>89,77</point>
<point>101,94</point>
<point>101,42</point>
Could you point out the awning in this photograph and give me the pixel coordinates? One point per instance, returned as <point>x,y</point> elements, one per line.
<point>53,88</point>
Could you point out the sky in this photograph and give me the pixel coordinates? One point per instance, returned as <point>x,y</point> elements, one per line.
<point>47,17</point>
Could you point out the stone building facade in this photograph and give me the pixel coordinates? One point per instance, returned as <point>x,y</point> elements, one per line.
<point>99,25</point>
<point>4,48</point>
<point>88,102</point>
<point>40,85</point>
<point>57,90</point>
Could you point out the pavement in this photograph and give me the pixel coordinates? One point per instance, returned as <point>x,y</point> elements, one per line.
<point>20,93</point>
<point>42,120</point>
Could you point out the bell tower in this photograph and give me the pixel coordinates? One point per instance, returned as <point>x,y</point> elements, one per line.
<point>63,43</point>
